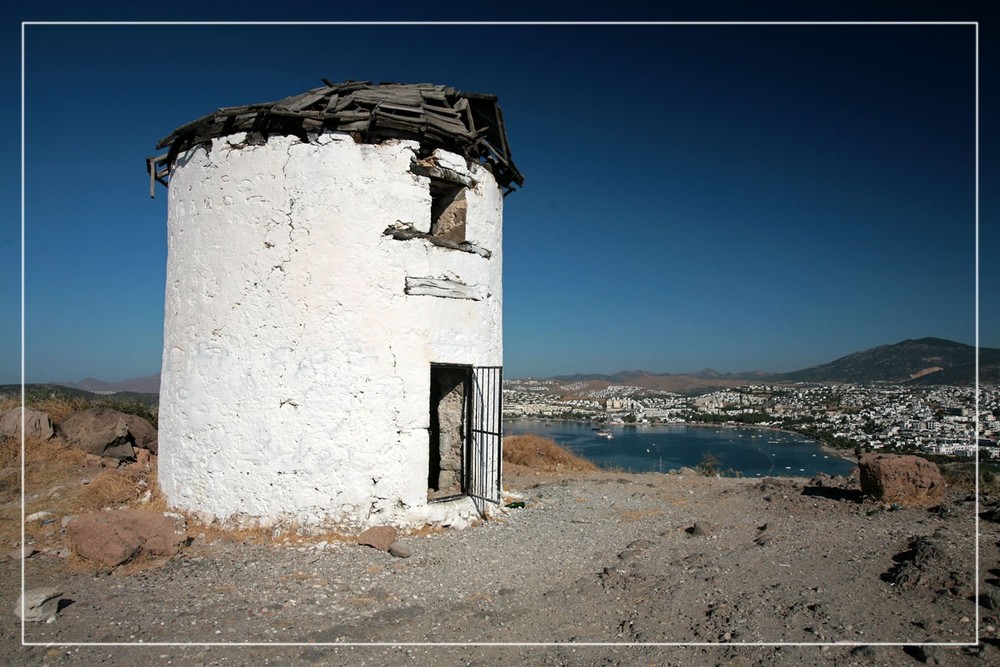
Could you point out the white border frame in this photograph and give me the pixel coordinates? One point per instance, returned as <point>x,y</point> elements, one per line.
<point>24,24</point>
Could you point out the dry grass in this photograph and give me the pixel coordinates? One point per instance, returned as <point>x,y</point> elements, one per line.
<point>10,452</point>
<point>110,489</point>
<point>536,452</point>
<point>59,408</point>
<point>66,481</point>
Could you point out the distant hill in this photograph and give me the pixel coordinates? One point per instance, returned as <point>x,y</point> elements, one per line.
<point>921,361</point>
<point>149,384</point>
<point>679,383</point>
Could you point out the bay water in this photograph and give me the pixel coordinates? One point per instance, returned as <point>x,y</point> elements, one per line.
<point>752,452</point>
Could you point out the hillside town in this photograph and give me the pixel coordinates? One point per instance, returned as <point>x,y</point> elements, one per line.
<point>938,420</point>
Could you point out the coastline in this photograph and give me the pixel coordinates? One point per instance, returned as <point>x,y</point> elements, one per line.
<point>822,445</point>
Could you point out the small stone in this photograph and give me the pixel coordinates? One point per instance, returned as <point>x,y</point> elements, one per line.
<point>698,529</point>
<point>379,537</point>
<point>400,550</point>
<point>37,516</point>
<point>38,604</point>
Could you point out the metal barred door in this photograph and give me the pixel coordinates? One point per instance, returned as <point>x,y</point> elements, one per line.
<point>486,433</point>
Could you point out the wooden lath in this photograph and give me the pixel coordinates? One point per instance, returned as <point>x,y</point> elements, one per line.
<point>470,124</point>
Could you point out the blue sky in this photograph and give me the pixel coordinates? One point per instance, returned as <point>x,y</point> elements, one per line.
<point>735,197</point>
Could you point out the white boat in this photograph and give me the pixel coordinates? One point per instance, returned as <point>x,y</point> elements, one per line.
<point>604,433</point>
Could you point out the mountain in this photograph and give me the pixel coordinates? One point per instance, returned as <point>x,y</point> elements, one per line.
<point>921,361</point>
<point>679,383</point>
<point>149,384</point>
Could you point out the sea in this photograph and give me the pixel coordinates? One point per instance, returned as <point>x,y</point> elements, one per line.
<point>750,452</point>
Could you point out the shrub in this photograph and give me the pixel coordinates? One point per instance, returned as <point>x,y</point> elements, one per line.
<point>534,451</point>
<point>709,466</point>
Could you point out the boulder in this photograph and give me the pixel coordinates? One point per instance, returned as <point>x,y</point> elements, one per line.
<point>38,604</point>
<point>107,432</point>
<point>904,479</point>
<point>380,537</point>
<point>112,538</point>
<point>37,425</point>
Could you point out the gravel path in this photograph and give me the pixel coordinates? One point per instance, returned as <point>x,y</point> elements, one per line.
<point>618,558</point>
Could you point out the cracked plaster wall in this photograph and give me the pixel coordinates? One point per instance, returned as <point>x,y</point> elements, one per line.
<point>296,371</point>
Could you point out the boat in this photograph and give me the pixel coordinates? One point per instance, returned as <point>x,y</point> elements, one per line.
<point>604,433</point>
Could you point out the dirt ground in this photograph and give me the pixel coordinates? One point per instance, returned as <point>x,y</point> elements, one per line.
<point>596,569</point>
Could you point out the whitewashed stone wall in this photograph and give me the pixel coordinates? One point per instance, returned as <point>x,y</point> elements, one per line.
<point>295,381</point>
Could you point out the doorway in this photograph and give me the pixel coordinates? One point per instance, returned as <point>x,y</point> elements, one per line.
<point>449,430</point>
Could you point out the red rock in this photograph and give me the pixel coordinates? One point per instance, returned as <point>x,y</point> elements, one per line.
<point>112,538</point>
<point>380,537</point>
<point>904,479</point>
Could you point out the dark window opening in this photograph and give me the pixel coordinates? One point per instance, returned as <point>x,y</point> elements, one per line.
<point>448,208</point>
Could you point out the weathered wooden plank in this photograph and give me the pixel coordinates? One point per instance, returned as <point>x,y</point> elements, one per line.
<point>351,115</point>
<point>447,288</point>
<point>386,122</point>
<point>448,126</point>
<point>407,233</point>
<point>396,109</point>
<point>443,173</point>
<point>304,101</point>
<point>355,126</point>
<point>443,112</point>
<point>376,95</point>
<point>346,100</point>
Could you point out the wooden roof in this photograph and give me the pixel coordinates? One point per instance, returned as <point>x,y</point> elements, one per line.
<point>470,124</point>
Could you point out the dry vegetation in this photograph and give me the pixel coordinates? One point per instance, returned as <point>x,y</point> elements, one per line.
<point>62,480</point>
<point>538,453</point>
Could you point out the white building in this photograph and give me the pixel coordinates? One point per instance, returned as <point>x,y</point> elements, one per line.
<point>332,335</point>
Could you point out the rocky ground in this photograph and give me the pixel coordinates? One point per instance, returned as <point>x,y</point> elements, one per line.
<point>629,560</point>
